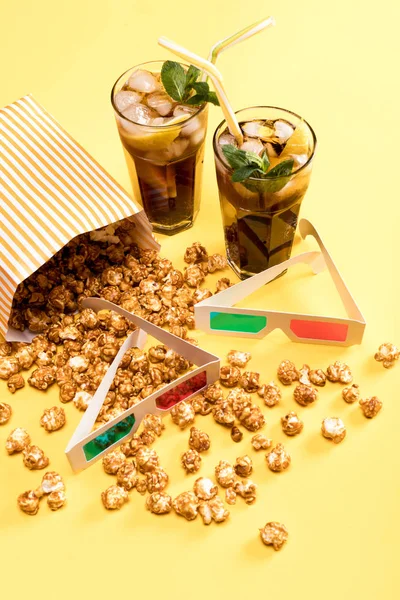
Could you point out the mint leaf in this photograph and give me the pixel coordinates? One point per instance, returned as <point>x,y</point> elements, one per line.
<point>243,173</point>
<point>235,157</point>
<point>173,78</point>
<point>282,169</point>
<point>196,100</point>
<point>192,76</point>
<point>254,158</point>
<point>201,87</point>
<point>265,162</point>
<point>212,97</point>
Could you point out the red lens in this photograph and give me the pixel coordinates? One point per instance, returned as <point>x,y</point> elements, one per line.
<point>182,391</point>
<point>319,330</point>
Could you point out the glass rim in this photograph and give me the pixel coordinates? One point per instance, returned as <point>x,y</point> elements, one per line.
<point>228,168</point>
<point>154,127</point>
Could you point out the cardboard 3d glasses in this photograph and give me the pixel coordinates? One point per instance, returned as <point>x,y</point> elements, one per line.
<point>218,315</point>
<point>87,445</point>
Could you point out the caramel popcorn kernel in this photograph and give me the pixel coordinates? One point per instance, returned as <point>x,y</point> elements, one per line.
<point>249,381</point>
<point>113,461</point>
<point>351,394</point>
<point>270,393</point>
<point>252,418</point>
<point>339,371</point>
<point>53,418</point>
<point>56,500</point>
<point>5,349</point>
<point>148,437</point>
<point>305,394</point>
<point>236,434</point>
<point>243,466</point>
<point>28,502</point>
<point>204,488</point>
<point>287,372</point>
<point>371,406</point>
<point>51,482</point>
<point>274,534</point>
<point>153,423</point>
<point>199,440</point>
<point>186,505</point>
<point>114,497</point>
<point>141,486</point>
<point>333,429</point>
<point>229,376</point>
<point>201,406</point>
<point>191,461</point>
<point>230,495</point>
<point>317,377</point>
<point>213,510</point>
<point>15,382</point>
<point>278,459</point>
<point>213,393</point>
<point>159,503</point>
<point>222,284</point>
<point>25,356</point>
<point>126,475</point>
<point>131,447</point>
<point>194,276</point>
<point>5,413</point>
<point>34,458</point>
<point>387,354</point>
<point>8,366</point>
<point>82,399</point>
<point>156,480</point>
<point>223,414</point>
<point>216,262</point>
<point>225,474</point>
<point>182,414</point>
<point>238,359</point>
<point>146,459</point>
<point>196,253</point>
<point>42,378</point>
<point>291,424</point>
<point>261,442</point>
<point>17,440</point>
<point>246,489</point>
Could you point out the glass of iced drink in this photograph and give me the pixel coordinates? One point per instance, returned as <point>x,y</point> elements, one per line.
<point>262,184</point>
<point>163,142</point>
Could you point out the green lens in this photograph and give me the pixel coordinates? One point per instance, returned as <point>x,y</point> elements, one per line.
<point>108,438</point>
<point>237,322</point>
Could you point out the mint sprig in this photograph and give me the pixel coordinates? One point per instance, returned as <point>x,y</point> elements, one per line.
<point>247,165</point>
<point>180,85</point>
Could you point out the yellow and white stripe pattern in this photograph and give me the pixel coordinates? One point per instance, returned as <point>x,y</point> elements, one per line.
<point>51,190</point>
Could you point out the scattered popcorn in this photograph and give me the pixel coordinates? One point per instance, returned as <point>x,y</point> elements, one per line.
<point>199,440</point>
<point>304,375</point>
<point>114,497</point>
<point>246,489</point>
<point>229,376</point>
<point>201,406</point>
<point>305,394</point>
<point>182,414</point>
<point>141,486</point>
<point>131,447</point>
<point>28,502</point>
<point>146,459</point>
<point>287,372</point>
<point>17,440</point>
<point>53,418</point>
<point>252,418</point>
<point>126,475</point>
<point>8,366</point>
<point>339,372</point>
<point>15,382</point>
<point>261,442</point>
<point>52,482</point>
<point>156,480</point>
<point>148,437</point>
<point>333,429</point>
<point>42,378</point>
<point>34,458</point>
<point>216,262</point>
<point>222,284</point>
<point>278,459</point>
<point>291,424</point>
<point>5,413</point>
<point>196,253</point>
<point>249,381</point>
<point>371,406</point>
<point>56,500</point>
<point>223,414</point>
<point>186,505</point>
<point>230,495</point>
<point>214,393</point>
<point>270,393</point>
<point>243,466</point>
<point>159,503</point>
<point>225,474</point>
<point>213,510</point>
<point>238,359</point>
<point>153,423</point>
<point>191,461</point>
<point>387,354</point>
<point>351,394</point>
<point>317,377</point>
<point>82,399</point>
<point>113,461</point>
<point>204,488</point>
<point>274,534</point>
<point>236,434</point>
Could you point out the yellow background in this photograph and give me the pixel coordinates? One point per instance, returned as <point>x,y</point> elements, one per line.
<point>335,64</point>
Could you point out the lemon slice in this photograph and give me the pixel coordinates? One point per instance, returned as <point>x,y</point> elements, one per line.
<point>298,143</point>
<point>157,140</point>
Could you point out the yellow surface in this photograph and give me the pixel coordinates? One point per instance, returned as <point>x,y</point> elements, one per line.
<point>337,66</point>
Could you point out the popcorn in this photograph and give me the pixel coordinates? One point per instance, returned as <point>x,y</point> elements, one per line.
<point>238,359</point>
<point>305,394</point>
<point>52,482</point>
<point>82,399</point>
<point>213,393</point>
<point>204,488</point>
<point>196,253</point>
<point>153,423</point>
<point>182,414</point>
<point>291,424</point>
<point>246,489</point>
<point>236,434</point>
<point>8,366</point>
<point>159,503</point>
<point>229,376</point>
<point>126,475</point>
<point>191,461</point>
<point>270,393</point>
<point>141,486</point>
<point>79,363</point>
<point>223,414</point>
<point>387,354</point>
<point>317,377</point>
<point>5,349</point>
<point>5,413</point>
<point>351,394</point>
<point>278,459</point>
<point>157,480</point>
<point>287,372</point>
<point>56,500</point>
<point>261,442</point>
<point>225,474</point>
<point>371,406</point>
<point>148,437</point>
<point>222,284</point>
<point>201,406</point>
<point>199,440</point>
<point>193,276</point>
<point>43,377</point>
<point>339,371</point>
<point>53,418</point>
<point>201,294</point>
<point>216,262</point>
<point>252,418</point>
<point>17,440</point>
<point>146,459</point>
<point>114,497</point>
<point>230,495</point>
<point>28,502</point>
<point>131,447</point>
<point>274,534</point>
<point>243,466</point>
<point>304,375</point>
<point>213,510</point>
<point>15,382</point>
<point>249,381</point>
<point>239,400</point>
<point>113,461</point>
<point>333,429</point>
<point>34,458</point>
<point>68,391</point>
<point>186,505</point>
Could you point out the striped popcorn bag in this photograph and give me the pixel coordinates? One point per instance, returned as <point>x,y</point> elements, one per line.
<point>51,190</point>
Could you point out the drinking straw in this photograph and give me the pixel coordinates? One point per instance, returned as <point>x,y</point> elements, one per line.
<point>216,78</point>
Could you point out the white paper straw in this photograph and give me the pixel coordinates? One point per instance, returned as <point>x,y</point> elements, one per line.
<point>239,36</point>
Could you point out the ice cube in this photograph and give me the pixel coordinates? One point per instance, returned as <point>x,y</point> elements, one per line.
<point>124,98</point>
<point>177,148</point>
<point>158,121</point>
<point>143,81</point>
<point>139,113</point>
<point>184,111</point>
<point>253,146</point>
<point>193,126</point>
<point>227,138</point>
<point>197,137</point>
<point>283,130</point>
<point>299,160</point>
<point>161,102</point>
